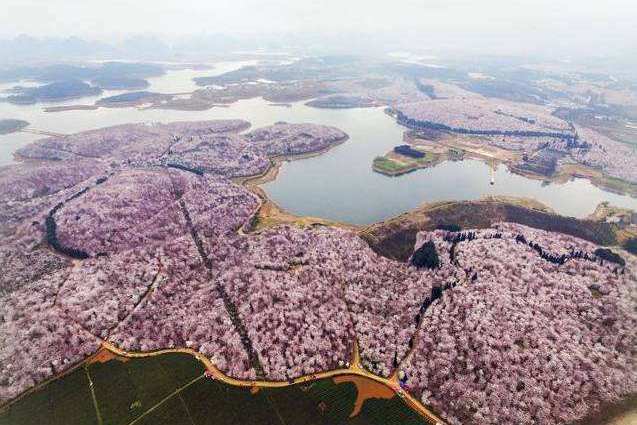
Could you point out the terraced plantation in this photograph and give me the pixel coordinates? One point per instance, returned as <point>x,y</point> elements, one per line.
<point>174,389</point>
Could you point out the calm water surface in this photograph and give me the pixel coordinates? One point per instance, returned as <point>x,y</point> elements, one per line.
<point>339,184</point>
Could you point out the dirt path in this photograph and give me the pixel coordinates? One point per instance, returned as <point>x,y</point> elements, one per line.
<point>365,390</point>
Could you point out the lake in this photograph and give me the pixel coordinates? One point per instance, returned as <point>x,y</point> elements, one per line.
<point>338,185</point>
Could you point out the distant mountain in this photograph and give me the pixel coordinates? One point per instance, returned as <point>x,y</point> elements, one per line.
<point>106,71</point>
<point>26,49</point>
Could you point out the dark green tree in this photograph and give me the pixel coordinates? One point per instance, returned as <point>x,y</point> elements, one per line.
<point>426,256</point>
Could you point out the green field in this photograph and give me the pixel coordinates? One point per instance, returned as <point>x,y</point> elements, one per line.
<point>387,165</point>
<point>382,163</point>
<point>171,389</point>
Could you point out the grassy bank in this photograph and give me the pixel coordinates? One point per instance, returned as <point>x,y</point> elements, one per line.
<point>395,238</point>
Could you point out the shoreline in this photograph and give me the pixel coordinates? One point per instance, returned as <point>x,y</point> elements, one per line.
<point>269,213</point>
<point>563,174</point>
<point>394,238</point>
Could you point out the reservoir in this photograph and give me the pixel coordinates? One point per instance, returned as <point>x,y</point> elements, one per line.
<point>339,184</point>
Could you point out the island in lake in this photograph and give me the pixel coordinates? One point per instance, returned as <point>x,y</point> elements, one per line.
<point>52,92</point>
<point>63,82</point>
<point>8,126</point>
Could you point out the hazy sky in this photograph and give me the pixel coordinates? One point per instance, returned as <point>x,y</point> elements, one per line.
<point>512,21</point>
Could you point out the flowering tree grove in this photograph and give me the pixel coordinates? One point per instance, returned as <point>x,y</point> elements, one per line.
<point>137,236</point>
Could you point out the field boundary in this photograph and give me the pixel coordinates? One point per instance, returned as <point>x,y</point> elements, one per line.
<point>354,369</point>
